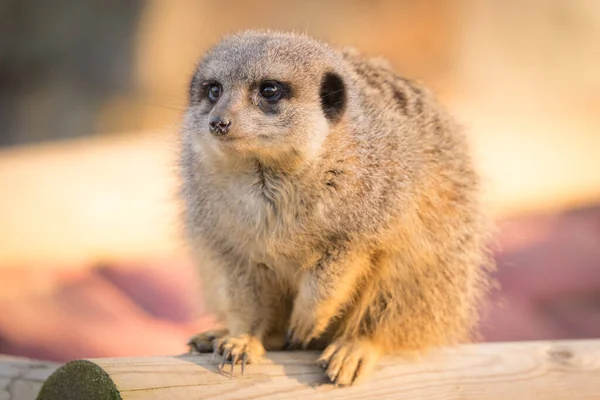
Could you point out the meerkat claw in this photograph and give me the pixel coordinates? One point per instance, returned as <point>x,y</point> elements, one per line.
<point>288,340</point>
<point>324,364</point>
<point>234,359</point>
<point>292,342</point>
<point>225,357</point>
<point>244,362</point>
<point>215,351</point>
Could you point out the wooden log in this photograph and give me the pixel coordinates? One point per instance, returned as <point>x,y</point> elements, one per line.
<point>21,379</point>
<point>525,370</point>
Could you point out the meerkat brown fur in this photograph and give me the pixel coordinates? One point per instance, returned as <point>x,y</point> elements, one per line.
<point>330,204</point>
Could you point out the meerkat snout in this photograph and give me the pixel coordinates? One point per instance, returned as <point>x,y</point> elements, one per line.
<point>219,125</point>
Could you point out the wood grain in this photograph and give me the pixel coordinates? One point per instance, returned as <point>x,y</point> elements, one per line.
<point>524,370</point>
<point>21,379</point>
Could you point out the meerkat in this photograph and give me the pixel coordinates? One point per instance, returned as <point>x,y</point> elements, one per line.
<point>329,203</point>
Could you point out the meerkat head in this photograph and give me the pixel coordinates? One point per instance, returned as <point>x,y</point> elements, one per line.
<point>272,96</point>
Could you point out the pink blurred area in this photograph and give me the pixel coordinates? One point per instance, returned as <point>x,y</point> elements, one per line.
<point>548,269</point>
<point>129,309</point>
<point>549,276</point>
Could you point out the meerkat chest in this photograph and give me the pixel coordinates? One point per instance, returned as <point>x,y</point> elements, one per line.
<point>266,215</point>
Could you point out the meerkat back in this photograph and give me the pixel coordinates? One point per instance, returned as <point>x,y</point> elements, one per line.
<point>330,204</point>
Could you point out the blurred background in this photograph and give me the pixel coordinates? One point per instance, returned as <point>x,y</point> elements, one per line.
<point>91,94</point>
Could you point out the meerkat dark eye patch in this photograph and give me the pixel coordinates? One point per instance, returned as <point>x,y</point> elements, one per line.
<point>270,91</point>
<point>213,90</point>
<point>273,91</point>
<point>333,96</point>
<point>269,95</point>
<point>208,89</point>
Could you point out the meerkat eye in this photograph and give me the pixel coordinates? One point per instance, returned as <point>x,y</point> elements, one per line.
<point>214,91</point>
<point>270,91</point>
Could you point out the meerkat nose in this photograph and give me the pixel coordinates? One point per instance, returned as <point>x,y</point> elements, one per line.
<point>219,125</point>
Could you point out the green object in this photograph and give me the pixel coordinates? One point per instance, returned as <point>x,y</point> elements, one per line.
<point>79,380</point>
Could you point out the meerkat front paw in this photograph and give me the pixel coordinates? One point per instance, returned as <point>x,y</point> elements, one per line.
<point>204,341</point>
<point>242,348</point>
<point>346,361</point>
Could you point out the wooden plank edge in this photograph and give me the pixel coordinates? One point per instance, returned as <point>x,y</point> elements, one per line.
<point>549,370</point>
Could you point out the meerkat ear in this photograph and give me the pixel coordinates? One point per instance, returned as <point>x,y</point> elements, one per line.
<point>333,96</point>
